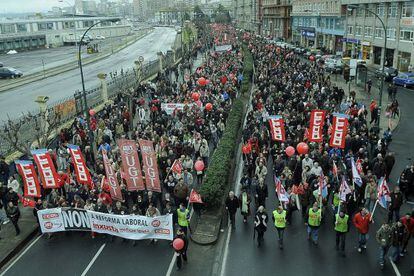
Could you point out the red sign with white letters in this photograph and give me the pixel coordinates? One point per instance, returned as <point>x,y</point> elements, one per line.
<point>114,188</point>
<point>277,128</point>
<point>131,165</point>
<point>46,168</point>
<point>82,173</point>
<point>317,121</point>
<point>339,131</point>
<point>149,162</point>
<point>31,182</point>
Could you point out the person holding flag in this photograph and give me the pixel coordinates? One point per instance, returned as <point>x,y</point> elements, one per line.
<point>313,222</point>
<point>341,228</point>
<point>279,218</point>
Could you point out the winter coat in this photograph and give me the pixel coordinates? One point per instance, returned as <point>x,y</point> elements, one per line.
<point>362,222</point>
<point>232,204</point>
<point>260,222</point>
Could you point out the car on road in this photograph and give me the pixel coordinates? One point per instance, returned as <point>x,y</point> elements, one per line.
<point>334,66</point>
<point>99,37</point>
<point>9,72</point>
<point>404,79</point>
<point>389,73</point>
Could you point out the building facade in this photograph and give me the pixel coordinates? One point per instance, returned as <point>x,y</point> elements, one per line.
<point>248,15</point>
<point>53,32</point>
<point>318,24</point>
<point>276,21</point>
<point>365,35</point>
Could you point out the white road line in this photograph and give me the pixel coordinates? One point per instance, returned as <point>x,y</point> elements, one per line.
<point>397,272</point>
<point>21,255</point>
<point>226,252</point>
<point>93,260</point>
<point>170,268</point>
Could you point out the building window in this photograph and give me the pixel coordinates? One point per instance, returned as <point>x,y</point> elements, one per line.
<point>391,33</point>
<point>393,10</point>
<point>406,35</point>
<point>87,24</point>
<point>368,31</point>
<point>21,27</point>
<point>381,10</point>
<point>370,8</point>
<point>379,32</point>
<point>359,12</point>
<point>7,28</point>
<point>358,30</point>
<point>407,9</point>
<point>350,29</point>
<point>68,25</point>
<point>45,26</point>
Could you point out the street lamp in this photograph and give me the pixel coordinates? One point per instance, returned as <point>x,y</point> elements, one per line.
<point>352,7</point>
<point>73,18</point>
<point>83,79</point>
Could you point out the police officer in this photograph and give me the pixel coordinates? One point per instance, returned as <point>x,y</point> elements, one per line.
<point>279,217</point>
<point>313,222</point>
<point>341,228</point>
<point>183,216</point>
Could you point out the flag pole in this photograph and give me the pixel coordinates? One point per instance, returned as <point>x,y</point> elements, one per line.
<point>373,210</point>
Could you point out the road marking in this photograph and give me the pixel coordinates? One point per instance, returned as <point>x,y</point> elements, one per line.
<point>397,272</point>
<point>21,255</point>
<point>93,260</point>
<point>170,268</point>
<point>226,252</point>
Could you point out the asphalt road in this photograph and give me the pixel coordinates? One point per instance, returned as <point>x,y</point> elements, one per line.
<point>300,257</point>
<point>21,99</point>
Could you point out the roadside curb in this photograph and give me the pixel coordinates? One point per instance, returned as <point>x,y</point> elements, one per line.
<point>51,72</point>
<point>19,247</point>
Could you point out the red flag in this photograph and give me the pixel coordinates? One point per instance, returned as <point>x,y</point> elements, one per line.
<point>195,197</point>
<point>334,169</point>
<point>114,188</point>
<point>31,182</point>
<point>339,130</point>
<point>358,164</point>
<point>152,179</point>
<point>317,121</point>
<point>131,167</point>
<point>82,173</point>
<point>46,169</point>
<point>177,167</point>
<point>27,202</point>
<point>277,128</point>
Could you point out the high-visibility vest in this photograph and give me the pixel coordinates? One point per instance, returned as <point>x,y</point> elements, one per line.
<point>182,217</point>
<point>315,217</point>
<point>341,224</point>
<point>280,219</point>
<point>336,199</point>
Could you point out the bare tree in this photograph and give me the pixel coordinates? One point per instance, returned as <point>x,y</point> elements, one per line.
<point>30,131</point>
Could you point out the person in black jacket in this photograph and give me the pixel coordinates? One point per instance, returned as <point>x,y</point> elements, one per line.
<point>12,196</point>
<point>232,204</point>
<point>395,205</point>
<point>407,181</point>
<point>260,224</point>
<point>13,213</point>
<point>182,253</point>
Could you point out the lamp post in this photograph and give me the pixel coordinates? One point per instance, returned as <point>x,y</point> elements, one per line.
<point>73,18</point>
<point>383,57</point>
<point>85,107</point>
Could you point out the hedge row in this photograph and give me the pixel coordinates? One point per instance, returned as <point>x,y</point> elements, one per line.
<point>216,181</point>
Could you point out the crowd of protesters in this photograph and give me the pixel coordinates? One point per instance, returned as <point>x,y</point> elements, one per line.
<point>290,86</point>
<point>187,135</point>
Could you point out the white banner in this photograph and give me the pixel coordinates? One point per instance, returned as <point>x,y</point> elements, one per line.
<point>170,107</point>
<point>129,226</point>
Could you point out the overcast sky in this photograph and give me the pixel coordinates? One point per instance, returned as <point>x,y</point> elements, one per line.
<point>9,6</point>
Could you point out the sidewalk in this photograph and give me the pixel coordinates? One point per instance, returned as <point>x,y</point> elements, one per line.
<point>363,97</point>
<point>10,244</point>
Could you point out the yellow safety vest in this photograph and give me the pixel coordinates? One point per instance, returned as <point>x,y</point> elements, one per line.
<point>315,217</point>
<point>280,219</point>
<point>341,224</point>
<point>182,217</point>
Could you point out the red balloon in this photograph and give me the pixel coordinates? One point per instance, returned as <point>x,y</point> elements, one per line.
<point>312,58</point>
<point>290,151</point>
<point>302,148</point>
<point>178,244</point>
<point>195,96</point>
<point>223,80</point>
<point>202,81</point>
<point>209,107</point>
<point>92,112</point>
<point>199,165</point>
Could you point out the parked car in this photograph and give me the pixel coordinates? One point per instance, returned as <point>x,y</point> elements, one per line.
<point>1,64</point>
<point>404,79</point>
<point>8,72</point>
<point>100,37</point>
<point>389,73</point>
<point>334,66</point>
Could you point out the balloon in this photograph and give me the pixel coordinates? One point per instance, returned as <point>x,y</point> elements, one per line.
<point>92,112</point>
<point>209,106</point>
<point>178,244</point>
<point>199,165</point>
<point>195,96</point>
<point>312,58</point>
<point>302,148</point>
<point>202,81</point>
<point>290,151</point>
<point>246,149</point>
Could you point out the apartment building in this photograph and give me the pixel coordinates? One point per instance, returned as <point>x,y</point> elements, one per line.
<point>276,21</point>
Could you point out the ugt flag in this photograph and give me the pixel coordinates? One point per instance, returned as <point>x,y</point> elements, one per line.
<point>383,195</point>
